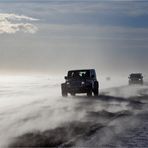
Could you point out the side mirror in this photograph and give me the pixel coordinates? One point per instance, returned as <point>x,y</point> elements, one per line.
<point>65,77</point>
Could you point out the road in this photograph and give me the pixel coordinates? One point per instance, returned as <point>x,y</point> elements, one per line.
<point>33,113</point>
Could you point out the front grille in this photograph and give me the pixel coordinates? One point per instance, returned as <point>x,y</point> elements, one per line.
<point>75,84</point>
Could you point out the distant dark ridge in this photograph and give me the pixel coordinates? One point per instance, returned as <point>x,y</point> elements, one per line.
<point>136,99</point>
<point>67,134</point>
<point>112,98</point>
<point>109,115</point>
<point>61,136</point>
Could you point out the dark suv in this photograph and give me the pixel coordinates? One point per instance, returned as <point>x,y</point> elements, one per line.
<point>80,81</point>
<point>135,78</point>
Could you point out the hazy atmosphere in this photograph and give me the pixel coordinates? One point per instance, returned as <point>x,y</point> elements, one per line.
<point>100,106</point>
<point>45,36</point>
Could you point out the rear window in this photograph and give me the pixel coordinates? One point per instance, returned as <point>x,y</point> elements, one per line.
<point>79,74</point>
<point>135,76</point>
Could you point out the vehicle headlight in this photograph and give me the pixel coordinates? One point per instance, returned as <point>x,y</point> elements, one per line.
<point>68,83</point>
<point>83,83</point>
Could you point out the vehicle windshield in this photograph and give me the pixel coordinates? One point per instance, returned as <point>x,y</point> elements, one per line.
<point>79,74</point>
<point>138,76</point>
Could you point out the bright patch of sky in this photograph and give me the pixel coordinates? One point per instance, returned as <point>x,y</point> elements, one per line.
<point>111,36</point>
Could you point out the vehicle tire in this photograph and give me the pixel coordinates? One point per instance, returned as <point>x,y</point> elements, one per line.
<point>131,83</point>
<point>96,90</point>
<point>73,94</point>
<point>89,93</point>
<point>63,89</point>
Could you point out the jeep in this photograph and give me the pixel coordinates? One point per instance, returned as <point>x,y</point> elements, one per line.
<point>135,78</point>
<point>80,81</point>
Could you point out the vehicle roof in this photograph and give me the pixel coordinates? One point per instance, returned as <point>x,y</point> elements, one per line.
<point>136,74</point>
<point>82,70</point>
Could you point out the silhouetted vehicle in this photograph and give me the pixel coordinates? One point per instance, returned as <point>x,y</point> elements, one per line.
<point>135,78</point>
<point>80,81</point>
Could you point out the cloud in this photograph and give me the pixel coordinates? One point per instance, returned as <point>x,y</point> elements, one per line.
<point>12,23</point>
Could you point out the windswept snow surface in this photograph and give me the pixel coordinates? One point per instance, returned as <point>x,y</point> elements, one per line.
<point>33,113</point>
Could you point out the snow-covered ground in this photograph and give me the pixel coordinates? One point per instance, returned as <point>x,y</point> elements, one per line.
<point>33,104</point>
<point>23,98</point>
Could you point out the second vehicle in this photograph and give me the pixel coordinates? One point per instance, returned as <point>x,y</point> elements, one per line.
<point>135,78</point>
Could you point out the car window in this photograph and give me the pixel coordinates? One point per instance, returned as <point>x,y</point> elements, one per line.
<point>135,76</point>
<point>79,74</point>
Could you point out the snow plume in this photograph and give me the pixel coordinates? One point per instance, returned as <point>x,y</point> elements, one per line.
<point>12,23</point>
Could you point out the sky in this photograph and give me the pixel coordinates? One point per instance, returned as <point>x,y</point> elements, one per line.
<point>53,36</point>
